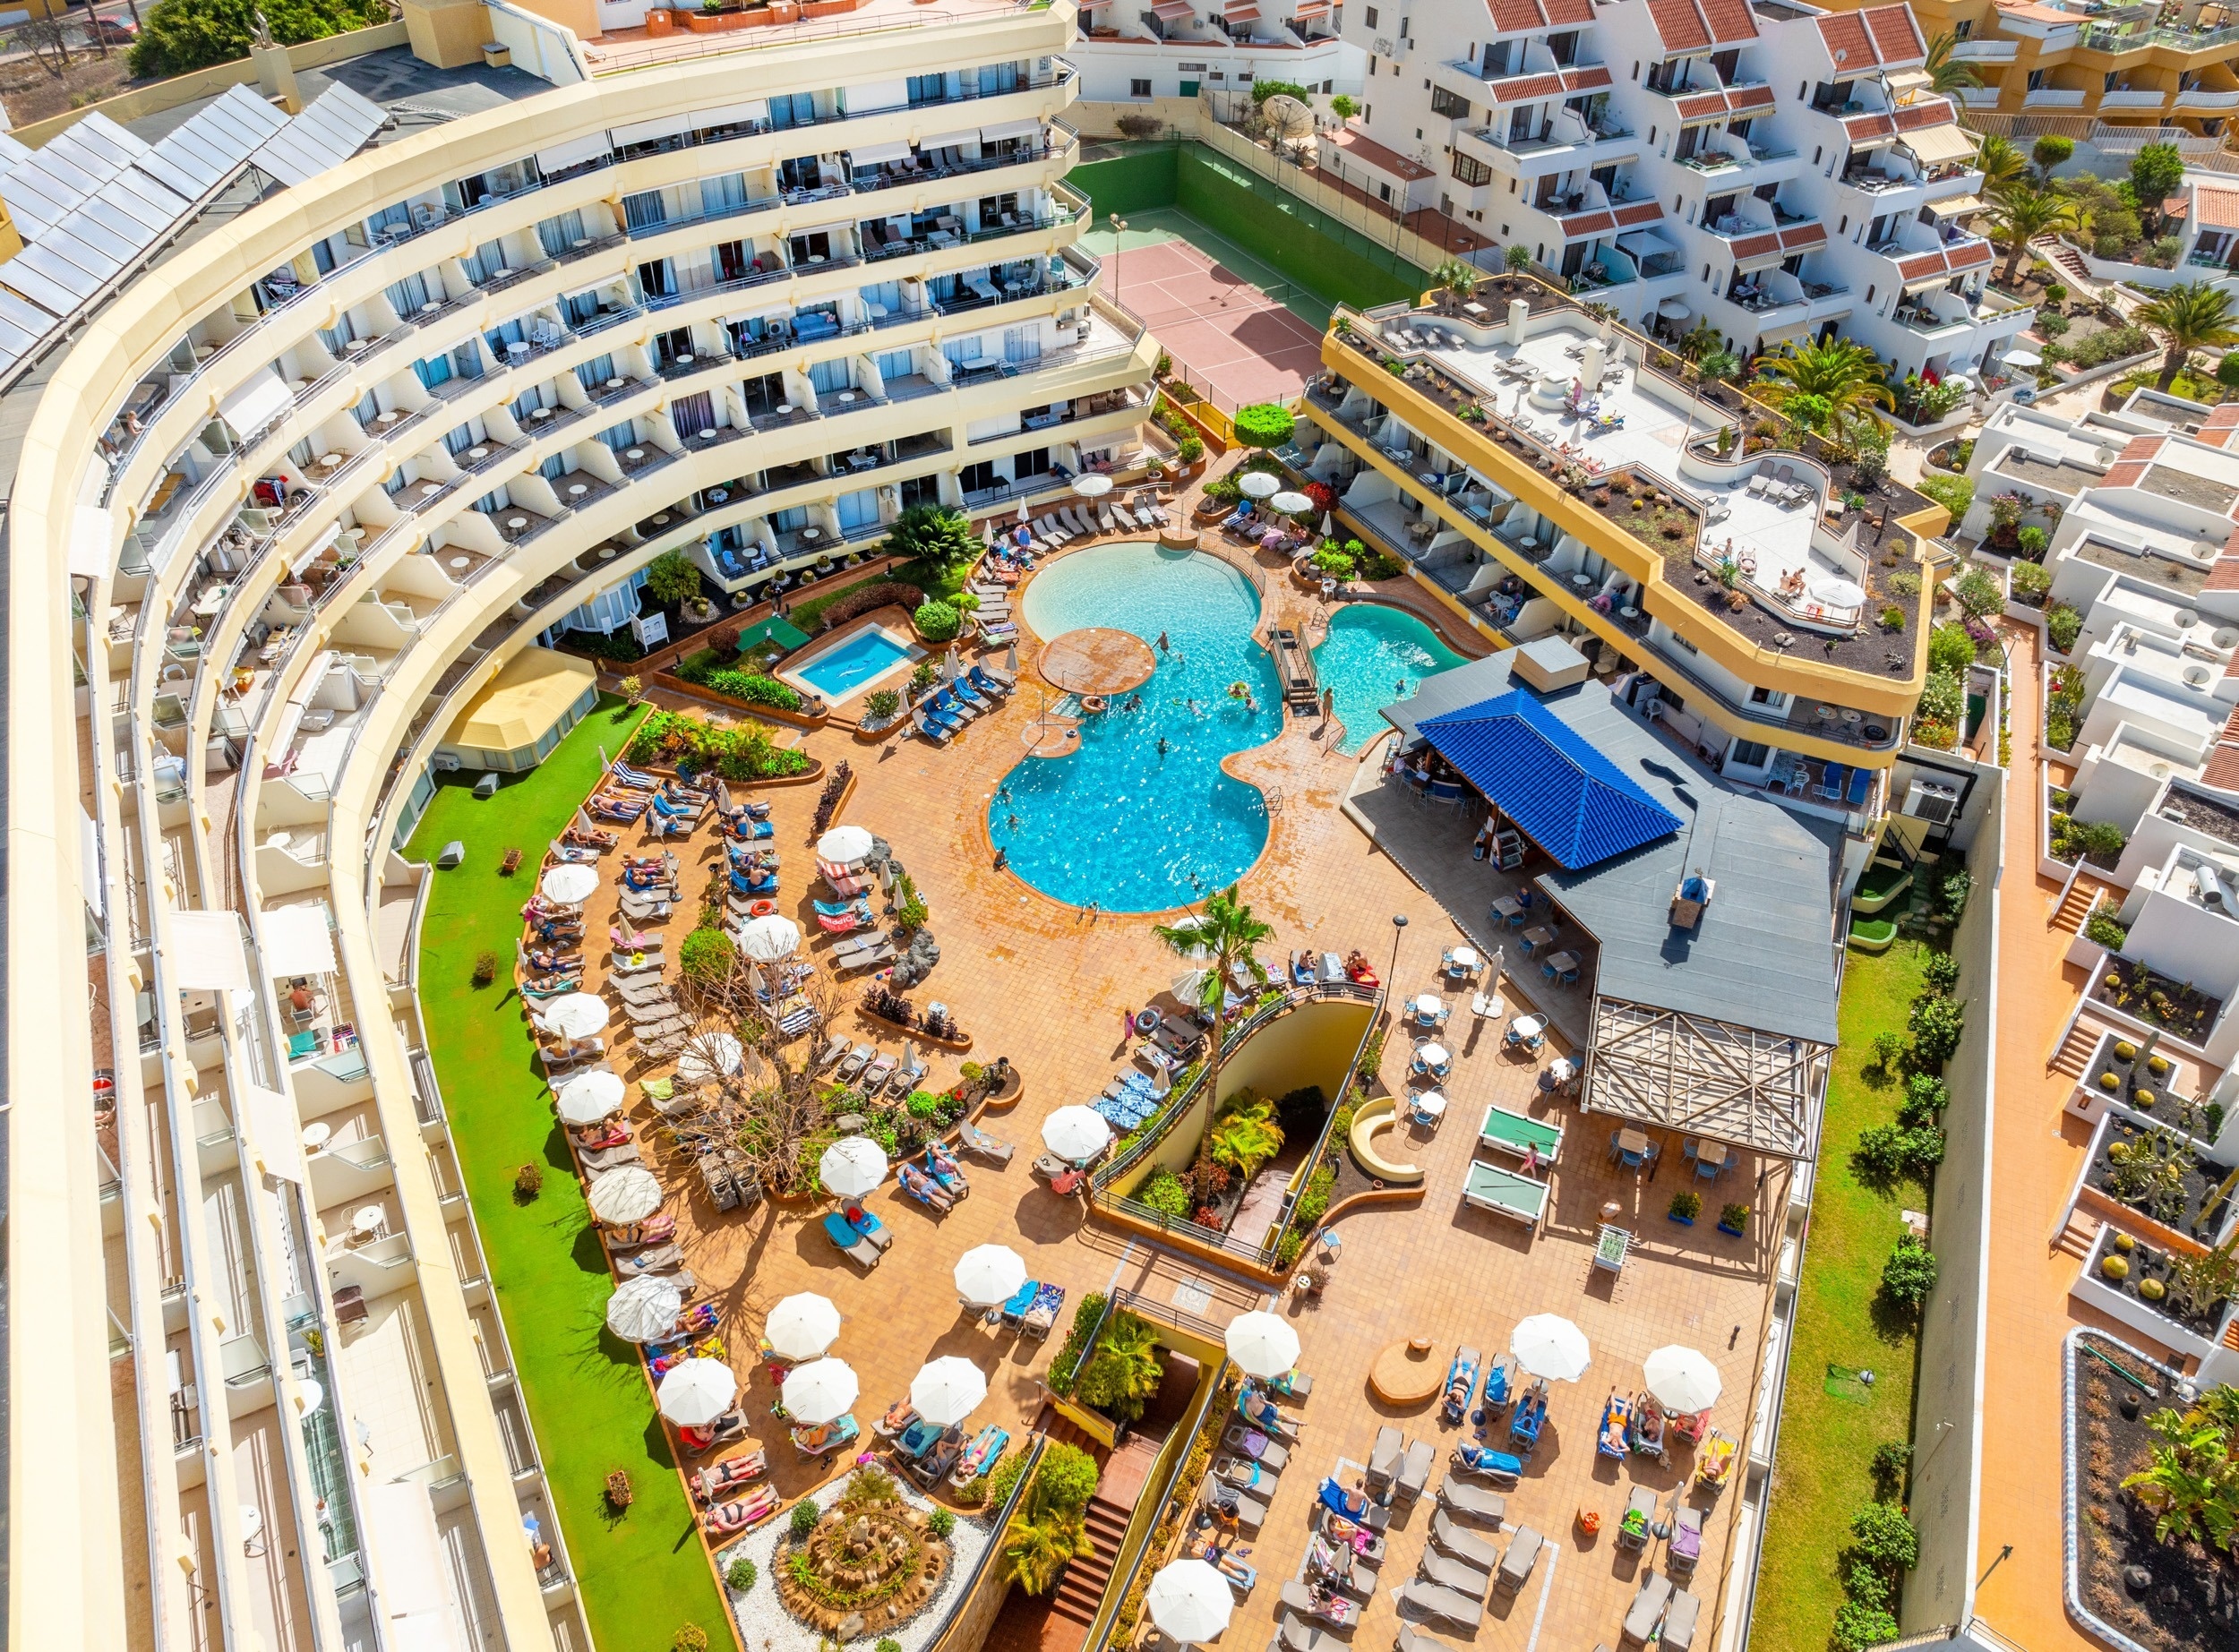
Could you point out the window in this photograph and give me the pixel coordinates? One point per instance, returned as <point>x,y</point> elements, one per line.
<point>1470,170</point>
<point>2036,80</point>
<point>642,212</point>
<point>1760,695</point>
<point>1443,102</point>
<point>1368,17</point>
<point>1963,27</point>
<point>1138,88</point>
<point>1748,754</point>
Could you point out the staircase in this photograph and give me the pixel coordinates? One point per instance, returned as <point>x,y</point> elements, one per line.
<point>2075,1054</point>
<point>1080,1591</point>
<point>2077,1238</point>
<point>2075,906</point>
<point>2066,258</point>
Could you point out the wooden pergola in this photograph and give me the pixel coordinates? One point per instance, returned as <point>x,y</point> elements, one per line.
<point>1755,1090</point>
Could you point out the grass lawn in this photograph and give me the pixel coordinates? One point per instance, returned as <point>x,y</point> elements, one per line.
<point>643,1574</point>
<point>1822,1471</point>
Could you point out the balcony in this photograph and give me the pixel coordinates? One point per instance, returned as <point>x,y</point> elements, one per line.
<point>2053,97</point>
<point>1986,51</point>
<point>2181,40</point>
<point>2200,98</point>
<point>2129,98</point>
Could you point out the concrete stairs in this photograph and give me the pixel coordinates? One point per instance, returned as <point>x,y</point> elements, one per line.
<point>1080,1591</point>
<point>2066,259</point>
<point>2075,906</point>
<point>2075,1054</point>
<point>2081,1232</point>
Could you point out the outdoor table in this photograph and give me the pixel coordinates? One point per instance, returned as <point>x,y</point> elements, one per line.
<point>1428,1104</point>
<point>1536,936</point>
<point>476,453</point>
<point>634,453</point>
<point>461,563</point>
<point>1634,1144</point>
<point>1509,908</point>
<point>1563,963</point>
<point>316,1136</point>
<point>577,489</point>
<point>367,1221</point>
<point>516,522</point>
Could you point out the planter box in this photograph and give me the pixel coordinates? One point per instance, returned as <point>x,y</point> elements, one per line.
<point>919,1033</point>
<point>693,690</point>
<point>1733,1233</point>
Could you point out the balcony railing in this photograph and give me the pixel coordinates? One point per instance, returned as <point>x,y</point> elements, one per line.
<point>2182,39</point>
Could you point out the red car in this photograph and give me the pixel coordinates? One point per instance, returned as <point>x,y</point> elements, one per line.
<point>113,30</point>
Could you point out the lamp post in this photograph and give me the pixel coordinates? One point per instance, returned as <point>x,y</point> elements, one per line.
<point>1118,229</point>
<point>1399,927</point>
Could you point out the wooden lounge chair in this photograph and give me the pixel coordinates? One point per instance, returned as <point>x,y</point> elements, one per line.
<point>1472,1503</point>
<point>1646,1611</point>
<point>1428,1600</point>
<point>1464,1547</point>
<point>1449,1573</point>
<point>1523,1552</point>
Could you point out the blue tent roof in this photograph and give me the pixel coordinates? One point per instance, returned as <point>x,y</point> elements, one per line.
<point>1570,800</point>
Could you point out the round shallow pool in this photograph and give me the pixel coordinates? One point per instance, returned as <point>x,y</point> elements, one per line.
<point>1374,655</point>
<point>1120,821</point>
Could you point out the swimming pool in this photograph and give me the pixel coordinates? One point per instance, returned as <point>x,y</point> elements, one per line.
<point>1120,821</point>
<point>1374,655</point>
<point>854,662</point>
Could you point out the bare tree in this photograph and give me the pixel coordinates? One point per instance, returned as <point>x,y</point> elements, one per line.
<point>48,40</point>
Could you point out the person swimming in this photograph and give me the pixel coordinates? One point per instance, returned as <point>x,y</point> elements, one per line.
<point>1163,747</point>
<point>1163,646</point>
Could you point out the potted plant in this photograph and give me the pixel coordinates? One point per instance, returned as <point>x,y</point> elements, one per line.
<point>1734,1220</point>
<point>1686,1206</point>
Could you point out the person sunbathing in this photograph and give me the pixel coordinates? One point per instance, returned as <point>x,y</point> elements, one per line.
<point>546,961</point>
<point>1357,968</point>
<point>920,1186</point>
<point>591,1138</point>
<point>949,1172</point>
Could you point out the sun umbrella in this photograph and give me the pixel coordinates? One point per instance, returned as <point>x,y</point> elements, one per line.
<point>844,845</point>
<point>1328,527</point>
<point>697,1391</point>
<point>946,1391</point>
<point>1674,309</point>
<point>1550,1346</point>
<point>2024,360</point>
<point>1076,1134</point>
<point>708,1055</point>
<point>765,940</point>
<point>1262,1344</point>
<point>1682,1380</point>
<point>853,1166</point>
<point>988,1274</point>
<point>1161,1083</point>
<point>1259,484</point>
<point>627,1195</point>
<point>821,1390</point>
<point>1091,485</point>
<point>802,1326</point>
<point>589,1097</point>
<point>1434,1055</point>
<point>568,885</point>
<point>1291,504</point>
<point>1189,1601</point>
<point>645,1308</point>
<point>1190,986</point>
<point>576,1015</point>
<point>1837,591</point>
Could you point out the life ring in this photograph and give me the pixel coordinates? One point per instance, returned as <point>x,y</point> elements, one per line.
<point>1091,702</point>
<point>761,909</point>
<point>1147,1021</point>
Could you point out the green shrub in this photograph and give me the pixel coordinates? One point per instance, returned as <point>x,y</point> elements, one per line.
<point>1189,450</point>
<point>689,1637</point>
<point>1886,1538</point>
<point>938,621</point>
<point>1888,1465</point>
<point>1951,649</point>
<point>704,957</point>
<point>752,687</point>
<point>1686,1205</point>
<point>1979,594</point>
<point>1880,1153</point>
<point>2101,348</point>
<point>2060,730</point>
<point>1065,1369</point>
<point>2063,624</point>
<point>741,753</point>
<point>999,1484</point>
<point>1954,493</point>
<point>2228,368</point>
<point>740,1576</point>
<point>935,535</point>
<point>178,37</point>
<point>1941,698</point>
<point>883,703</point>
<point>1859,1626</point>
<point>1926,1097</point>
<point>887,1643</point>
<point>2053,325</point>
<point>1264,425</point>
<point>1910,1273</point>
<point>2106,930</point>
<point>2031,580</point>
<point>1939,972</point>
<point>1921,1151</point>
<point>1374,564</point>
<point>1937,1022</point>
<point>1165,1193</point>
<point>1334,563</point>
<point>940,1522</point>
<point>485,970</point>
<point>802,1521</point>
<point>1951,896</point>
<point>1065,1481</point>
<point>2032,541</point>
<point>1887,1048</point>
<point>672,578</point>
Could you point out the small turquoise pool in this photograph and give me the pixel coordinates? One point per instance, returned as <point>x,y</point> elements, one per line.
<point>1373,656</point>
<point>846,666</point>
<point>1140,817</point>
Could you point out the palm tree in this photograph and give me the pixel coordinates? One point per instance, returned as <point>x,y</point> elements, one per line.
<point>1125,1370</point>
<point>2002,164</point>
<point>2192,317</point>
<point>1700,340</point>
<point>1831,389</point>
<point>1221,938</point>
<point>1246,1135</point>
<point>1945,74</point>
<point>2019,214</point>
<point>1454,280</point>
<point>1035,1551</point>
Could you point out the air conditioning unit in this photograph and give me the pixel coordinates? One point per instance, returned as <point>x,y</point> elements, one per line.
<point>445,763</point>
<point>1931,799</point>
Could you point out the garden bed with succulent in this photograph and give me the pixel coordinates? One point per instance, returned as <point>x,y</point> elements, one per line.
<point>2136,1078</point>
<point>2161,1173</point>
<point>2154,999</point>
<point>2179,1288</point>
<point>2150,1479</point>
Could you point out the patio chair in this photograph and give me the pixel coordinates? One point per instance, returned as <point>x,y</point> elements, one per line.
<point>1449,1573</point>
<point>1384,1457</point>
<point>1464,1547</point>
<point>1126,518</point>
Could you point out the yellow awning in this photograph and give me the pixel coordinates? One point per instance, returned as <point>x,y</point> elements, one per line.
<point>1935,144</point>
<point>1906,84</point>
<point>1958,206</point>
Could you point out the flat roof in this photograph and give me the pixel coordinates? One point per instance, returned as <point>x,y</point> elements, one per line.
<point>1763,954</point>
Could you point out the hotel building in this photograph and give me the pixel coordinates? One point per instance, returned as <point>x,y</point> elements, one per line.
<point>300,488</point>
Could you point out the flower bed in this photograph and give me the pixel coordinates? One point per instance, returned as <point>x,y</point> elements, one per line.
<point>2121,1073</point>
<point>692,746</point>
<point>2159,1173</point>
<point>2146,1277</point>
<point>2130,987</point>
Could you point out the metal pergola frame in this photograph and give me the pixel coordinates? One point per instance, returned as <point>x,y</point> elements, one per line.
<point>1754,1090</point>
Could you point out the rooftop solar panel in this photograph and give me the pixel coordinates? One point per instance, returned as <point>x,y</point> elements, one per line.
<point>334,128</point>
<point>67,263</point>
<point>36,285</point>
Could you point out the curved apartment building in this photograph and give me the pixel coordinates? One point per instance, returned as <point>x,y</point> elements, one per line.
<point>287,502</point>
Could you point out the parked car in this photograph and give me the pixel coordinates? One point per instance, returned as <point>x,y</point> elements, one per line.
<point>113,30</point>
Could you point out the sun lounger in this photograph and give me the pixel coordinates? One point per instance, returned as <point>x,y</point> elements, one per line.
<point>1297,1636</point>
<point>1042,1314</point>
<point>1684,1547</point>
<point>1471,1502</point>
<point>728,1520</point>
<point>660,1259</point>
<point>1523,1553</point>
<point>845,1239</point>
<point>1430,1600</point>
<point>1299,1597</point>
<point>1384,1457</point>
<point>1257,1446</point>
<point>1247,1511</point>
<point>1680,1620</point>
<point>832,1051</point>
<point>976,1142</point>
<point>1647,1608</point>
<point>1504,1193</point>
<point>880,950</point>
<point>717,1480</point>
<point>878,1072</point>
<point>1411,1639</point>
<point>600,1160</point>
<point>986,1446</point>
<point>1467,1547</point>
<point>929,731</point>
<point>1414,1471</point>
<point>853,1063</point>
<point>822,1439</point>
<point>1448,1572</point>
<point>1519,1134</point>
<point>1104,518</point>
<point>1352,1505</point>
<point>1639,1514</point>
<point>1126,518</point>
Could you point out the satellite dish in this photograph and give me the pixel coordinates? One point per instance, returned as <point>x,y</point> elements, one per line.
<point>2187,619</point>
<point>2103,456</point>
<point>1288,118</point>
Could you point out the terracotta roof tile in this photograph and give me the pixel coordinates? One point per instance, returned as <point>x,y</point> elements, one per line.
<point>1861,127</point>
<point>2139,449</point>
<point>1756,246</point>
<point>2222,769</point>
<point>2223,575</point>
<point>1973,255</point>
<point>1651,211</point>
<point>1730,21</point>
<point>1749,98</point>
<point>1896,36</point>
<point>1370,153</point>
<point>1927,112</point>
<point>1525,88</point>
<point>1800,236</point>
<point>2124,474</point>
<point>1679,25</point>
<point>1848,45</point>
<point>1515,16</point>
<point>1703,105</point>
<point>2218,209</point>
<point>2221,428</point>
<point>1920,266</point>
<point>1586,224</point>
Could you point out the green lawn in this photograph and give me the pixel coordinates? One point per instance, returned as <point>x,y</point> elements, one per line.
<point>643,1574</point>
<point>1820,1473</point>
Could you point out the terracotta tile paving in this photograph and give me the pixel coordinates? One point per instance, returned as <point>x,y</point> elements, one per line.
<point>1046,985</point>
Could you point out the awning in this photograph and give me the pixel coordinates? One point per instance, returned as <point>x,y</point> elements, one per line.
<point>653,132</point>
<point>275,1132</point>
<point>1906,84</point>
<point>1643,243</point>
<point>1935,145</point>
<point>297,941</point>
<point>205,951</point>
<point>946,140</point>
<point>255,404</point>
<point>1030,127</point>
<point>865,97</point>
<point>872,154</point>
<point>97,894</point>
<point>574,152</point>
<point>1958,206</point>
<point>92,550</point>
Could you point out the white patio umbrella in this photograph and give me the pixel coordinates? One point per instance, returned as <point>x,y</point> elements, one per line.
<point>704,1058</point>
<point>645,1308</point>
<point>2025,360</point>
<point>1291,504</point>
<point>627,1195</point>
<point>1550,1346</point>
<point>844,845</point>
<point>1328,526</point>
<point>1683,1380</point>
<point>1434,1055</point>
<point>1262,1344</point>
<point>1091,485</point>
<point>947,1389</point>
<point>1075,1134</point>
<point>988,1274</point>
<point>697,1391</point>
<point>1837,591</point>
<point>1259,484</point>
<point>767,940</point>
<point>821,1390</point>
<point>568,885</point>
<point>1189,1601</point>
<point>576,1015</point>
<point>802,1326</point>
<point>1188,987</point>
<point>853,1166</point>
<point>589,1097</point>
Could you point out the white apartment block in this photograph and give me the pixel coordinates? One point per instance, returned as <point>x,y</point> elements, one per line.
<point>291,497</point>
<point>1775,170</point>
<point>1132,53</point>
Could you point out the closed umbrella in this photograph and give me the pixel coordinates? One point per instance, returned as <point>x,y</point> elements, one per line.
<point>988,1274</point>
<point>1328,527</point>
<point>1010,659</point>
<point>576,1015</point>
<point>821,1390</point>
<point>1091,485</point>
<point>767,940</point>
<point>708,1055</point>
<point>844,845</point>
<point>1683,1380</point>
<point>645,1309</point>
<point>1190,986</point>
<point>1262,1344</point>
<point>1837,591</point>
<point>853,1166</point>
<point>570,885</point>
<point>627,1195</point>
<point>1022,509</point>
<point>1076,1134</point>
<point>697,1391</point>
<point>802,1326</point>
<point>1291,504</point>
<point>946,1391</point>
<point>589,1097</point>
<point>1550,1346</point>
<point>1189,1601</point>
<point>1259,484</point>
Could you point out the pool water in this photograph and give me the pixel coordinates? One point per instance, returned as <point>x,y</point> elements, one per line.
<point>1119,822</point>
<point>845,666</point>
<point>1373,656</point>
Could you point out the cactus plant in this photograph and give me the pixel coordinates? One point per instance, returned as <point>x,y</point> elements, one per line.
<point>2115,1268</point>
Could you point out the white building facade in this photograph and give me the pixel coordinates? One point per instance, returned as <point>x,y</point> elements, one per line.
<point>1130,53</point>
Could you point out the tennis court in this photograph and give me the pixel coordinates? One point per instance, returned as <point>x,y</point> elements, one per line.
<point>1238,332</point>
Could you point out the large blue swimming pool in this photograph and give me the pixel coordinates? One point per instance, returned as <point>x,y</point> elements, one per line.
<point>1120,822</point>
<point>1373,656</point>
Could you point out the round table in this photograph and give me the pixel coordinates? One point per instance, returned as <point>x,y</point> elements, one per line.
<point>577,489</point>
<point>614,384</point>
<point>1407,1373</point>
<point>541,413</point>
<point>427,488</point>
<point>683,361</point>
<point>583,241</point>
<point>367,1221</point>
<point>706,435</point>
<point>634,453</point>
<point>660,519</point>
<point>1431,1103</point>
<point>462,563</point>
<point>330,459</point>
<point>845,397</point>
<point>1528,1026</point>
<point>517,521</point>
<point>607,553</point>
<point>430,307</point>
<point>317,1136</point>
<point>785,409</point>
<point>500,274</point>
<point>812,533</point>
<point>477,453</point>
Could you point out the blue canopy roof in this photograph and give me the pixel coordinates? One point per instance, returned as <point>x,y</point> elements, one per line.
<point>1546,777</point>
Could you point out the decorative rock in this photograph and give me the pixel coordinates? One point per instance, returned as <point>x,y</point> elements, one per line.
<point>2137,1580</point>
<point>851,1626</point>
